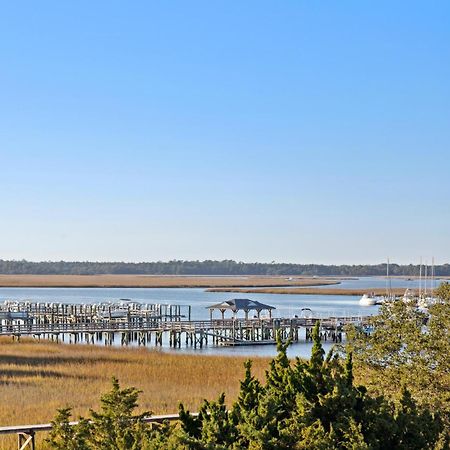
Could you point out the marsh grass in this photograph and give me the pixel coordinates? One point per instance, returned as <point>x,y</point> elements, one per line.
<point>156,281</point>
<point>37,378</point>
<point>311,291</point>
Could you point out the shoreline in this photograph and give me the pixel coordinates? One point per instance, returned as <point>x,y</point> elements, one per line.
<point>161,282</point>
<point>312,291</point>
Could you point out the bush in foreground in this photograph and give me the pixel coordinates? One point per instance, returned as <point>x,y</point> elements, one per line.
<point>408,347</point>
<point>301,405</point>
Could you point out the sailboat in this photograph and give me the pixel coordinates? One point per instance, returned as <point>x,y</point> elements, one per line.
<point>426,299</point>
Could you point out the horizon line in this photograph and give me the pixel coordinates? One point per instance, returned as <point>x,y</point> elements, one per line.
<point>274,263</point>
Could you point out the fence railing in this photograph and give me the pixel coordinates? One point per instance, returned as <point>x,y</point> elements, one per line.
<point>132,325</point>
<point>26,433</point>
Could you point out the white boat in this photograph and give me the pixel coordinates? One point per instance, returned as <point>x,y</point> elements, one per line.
<point>426,302</point>
<point>370,300</point>
<point>409,296</point>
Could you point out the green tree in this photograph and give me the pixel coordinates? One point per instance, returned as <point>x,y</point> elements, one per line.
<point>115,426</point>
<point>408,348</point>
<point>301,405</point>
<point>64,436</point>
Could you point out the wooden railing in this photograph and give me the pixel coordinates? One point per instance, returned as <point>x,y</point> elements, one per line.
<point>26,433</point>
<point>149,326</point>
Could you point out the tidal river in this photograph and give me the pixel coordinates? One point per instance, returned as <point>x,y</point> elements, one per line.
<point>199,299</point>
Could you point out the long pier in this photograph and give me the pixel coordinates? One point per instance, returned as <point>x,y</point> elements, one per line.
<point>143,324</point>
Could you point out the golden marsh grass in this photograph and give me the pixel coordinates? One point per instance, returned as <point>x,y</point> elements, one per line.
<point>157,281</point>
<point>36,378</point>
<point>311,291</point>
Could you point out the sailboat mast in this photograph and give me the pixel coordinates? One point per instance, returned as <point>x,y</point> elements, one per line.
<point>390,282</point>
<point>387,278</point>
<point>420,278</point>
<point>432,276</point>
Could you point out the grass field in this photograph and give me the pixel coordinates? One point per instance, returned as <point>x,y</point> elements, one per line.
<point>37,378</point>
<point>310,290</point>
<point>157,281</point>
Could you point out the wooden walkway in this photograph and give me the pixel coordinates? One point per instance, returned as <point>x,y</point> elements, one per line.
<point>128,322</point>
<point>26,433</point>
<point>191,333</point>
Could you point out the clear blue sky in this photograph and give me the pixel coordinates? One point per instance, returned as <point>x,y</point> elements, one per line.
<point>296,131</point>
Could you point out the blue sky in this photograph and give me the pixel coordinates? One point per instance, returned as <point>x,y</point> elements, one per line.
<point>290,131</point>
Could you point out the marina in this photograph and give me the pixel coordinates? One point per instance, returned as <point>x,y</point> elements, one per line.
<point>182,321</point>
<point>179,319</point>
<point>129,322</point>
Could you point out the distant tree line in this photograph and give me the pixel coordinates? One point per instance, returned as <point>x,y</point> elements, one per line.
<point>208,267</point>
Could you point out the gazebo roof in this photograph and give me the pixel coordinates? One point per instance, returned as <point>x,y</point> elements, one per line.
<point>241,304</point>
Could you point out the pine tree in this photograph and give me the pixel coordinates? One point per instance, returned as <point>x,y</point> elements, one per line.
<point>244,414</point>
<point>189,424</point>
<point>115,427</point>
<point>63,435</point>
<point>410,348</point>
<point>218,431</point>
<point>305,405</point>
<point>417,430</point>
<point>317,351</point>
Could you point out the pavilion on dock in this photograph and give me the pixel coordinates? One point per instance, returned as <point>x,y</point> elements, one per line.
<point>240,304</point>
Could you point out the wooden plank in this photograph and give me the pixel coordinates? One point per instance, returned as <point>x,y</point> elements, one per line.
<point>30,429</point>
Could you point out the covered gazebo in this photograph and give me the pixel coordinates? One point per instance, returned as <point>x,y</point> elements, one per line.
<point>240,304</point>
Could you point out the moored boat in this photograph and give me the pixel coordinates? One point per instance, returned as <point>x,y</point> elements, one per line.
<point>370,300</point>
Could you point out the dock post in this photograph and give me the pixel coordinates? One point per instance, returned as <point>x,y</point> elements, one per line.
<point>26,440</point>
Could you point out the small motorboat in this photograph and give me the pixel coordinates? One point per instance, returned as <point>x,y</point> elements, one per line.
<point>370,300</point>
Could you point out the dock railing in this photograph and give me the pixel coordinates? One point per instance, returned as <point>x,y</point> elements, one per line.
<point>26,433</point>
<point>97,326</point>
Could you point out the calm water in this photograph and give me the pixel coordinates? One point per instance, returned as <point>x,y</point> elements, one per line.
<point>286,306</point>
<point>199,299</point>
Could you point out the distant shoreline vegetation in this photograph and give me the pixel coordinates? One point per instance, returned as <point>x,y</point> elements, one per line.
<point>208,267</point>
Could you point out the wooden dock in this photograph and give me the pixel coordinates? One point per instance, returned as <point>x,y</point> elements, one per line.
<point>143,324</point>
